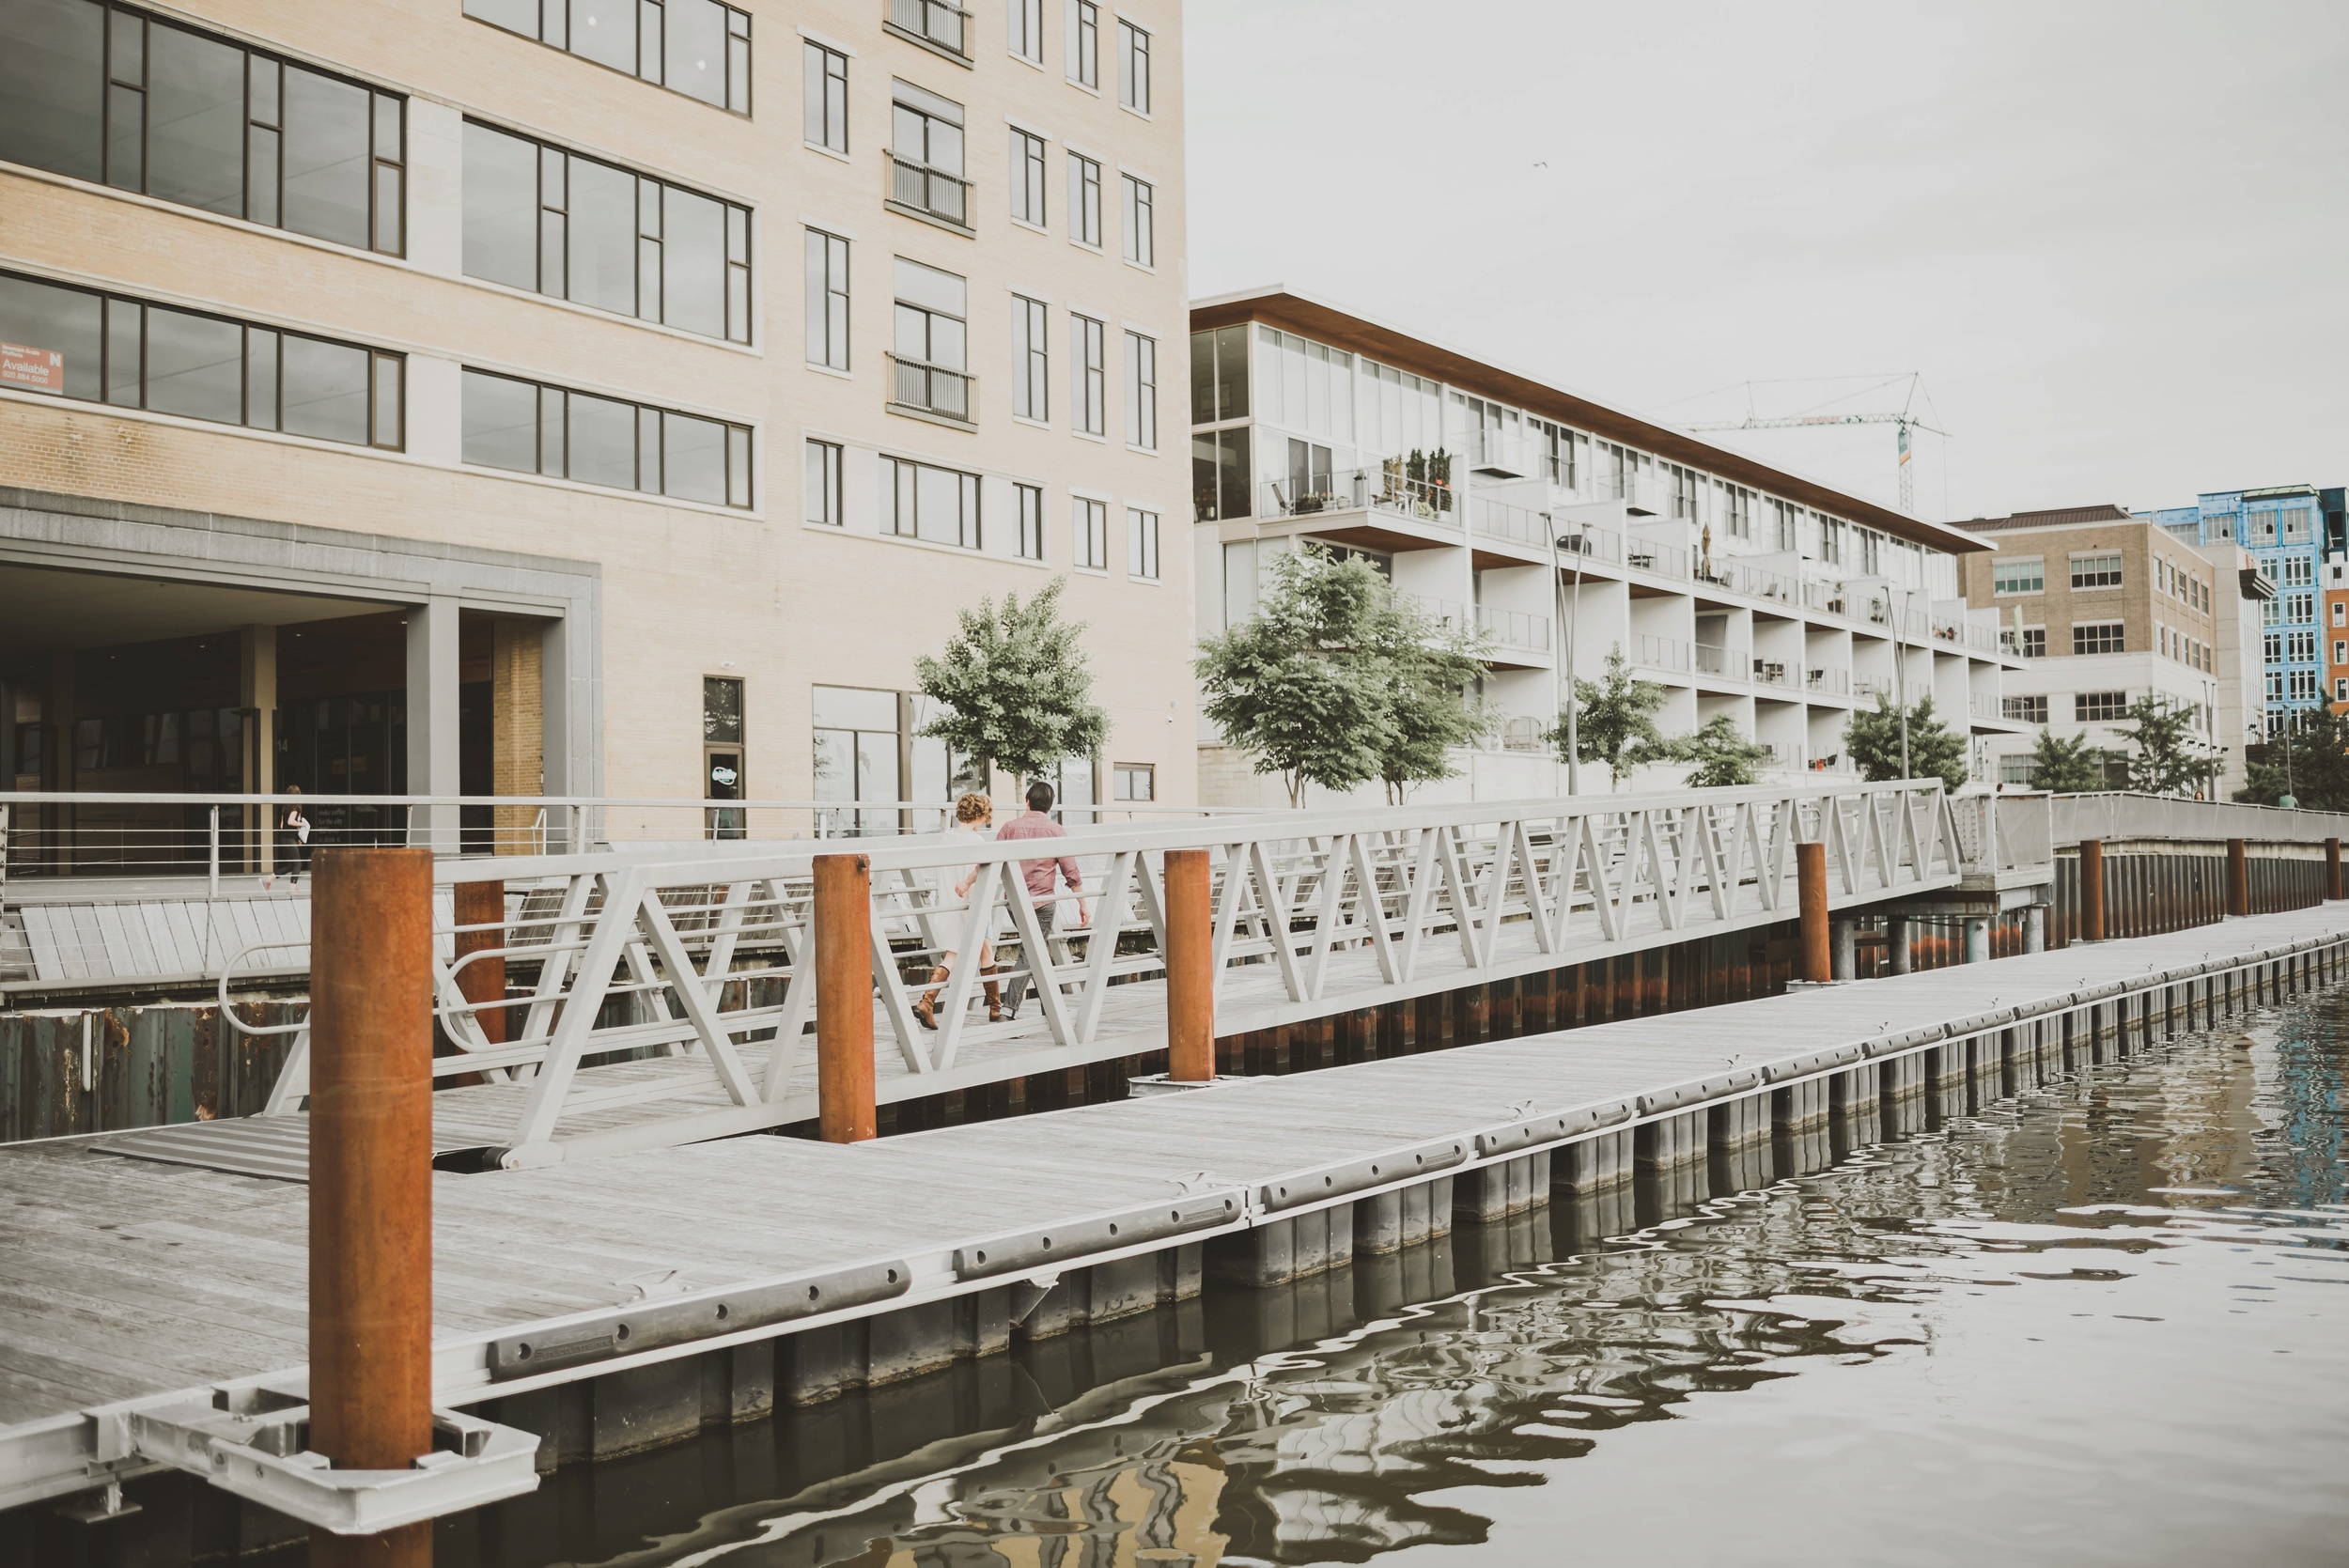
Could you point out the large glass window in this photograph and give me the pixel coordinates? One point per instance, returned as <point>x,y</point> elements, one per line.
<point>1084,43</point>
<point>1219,474</point>
<point>537,217</point>
<point>1219,374</point>
<point>1089,522</point>
<point>921,502</point>
<point>857,758</point>
<point>1088,389</point>
<point>823,484</point>
<point>102,347</point>
<point>1141,544</point>
<point>827,98</point>
<point>1031,499</point>
<point>931,342</point>
<point>530,428</point>
<point>1141,391</point>
<point>2096,571</point>
<point>721,753</point>
<point>1030,359</point>
<point>926,147</point>
<point>1141,243</point>
<point>1133,67</point>
<point>697,47</point>
<point>2018,575</point>
<point>1026,18</point>
<point>827,300</point>
<point>1084,199</point>
<point>104,93</point>
<point>1027,179</point>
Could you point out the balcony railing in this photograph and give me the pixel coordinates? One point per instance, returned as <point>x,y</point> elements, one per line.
<point>934,22</point>
<point>1713,660</point>
<point>933,389</point>
<point>1513,628</point>
<point>1776,671</point>
<point>1498,519</point>
<point>1753,582</point>
<point>1384,488</point>
<point>1658,653</point>
<point>931,191</point>
<point>1525,734</point>
<point>1648,555</point>
<point>1872,687</point>
<point>1590,542</point>
<point>1826,682</point>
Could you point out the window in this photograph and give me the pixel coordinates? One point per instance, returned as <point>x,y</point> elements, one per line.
<point>1133,67</point>
<point>933,22</point>
<point>541,219</point>
<point>930,342</point>
<point>1027,179</point>
<point>2341,612</point>
<point>2303,685</point>
<point>2340,688</point>
<point>1084,200</point>
<point>1133,780</point>
<point>721,753</point>
<point>1141,391</point>
<point>2259,528</point>
<point>1219,374</point>
<point>2340,651</point>
<point>823,484</point>
<point>1091,524</point>
<point>1736,510</point>
<point>2299,572</point>
<point>1088,377</point>
<point>925,148</point>
<point>2029,710</point>
<point>2272,611</point>
<point>2018,577</point>
<point>1784,515</point>
<point>2034,641</point>
<point>2299,607</point>
<point>1031,499</point>
<point>2016,768</point>
<point>1027,29</point>
<point>2301,647</point>
<point>105,349</point>
<point>2096,571</point>
<point>528,428</point>
<point>857,757</point>
<point>827,98</point>
<point>1684,483</point>
<point>108,95</point>
<point>697,47</point>
<point>1141,544</point>
<point>2099,707</point>
<point>2273,650</point>
<point>2096,637</point>
<point>1220,478</point>
<point>920,502</point>
<point>1084,43</point>
<point>1141,231</point>
<point>1030,359</point>
<point>827,300</point>
<point>2295,524</point>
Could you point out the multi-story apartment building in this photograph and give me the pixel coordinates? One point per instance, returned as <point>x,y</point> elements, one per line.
<point>2334,612</point>
<point>2286,528</point>
<point>1506,502</point>
<point>612,398</point>
<point>2107,607</point>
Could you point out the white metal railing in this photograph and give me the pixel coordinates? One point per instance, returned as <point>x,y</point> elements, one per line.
<point>1658,653</point>
<point>1587,542</point>
<point>699,968</point>
<point>1385,489</point>
<point>2118,814</point>
<point>1655,556</point>
<point>1498,519</point>
<point>1776,671</point>
<point>932,388</point>
<point>1827,680</point>
<point>934,192</point>
<point>1714,660</point>
<point>934,21</point>
<point>1515,628</point>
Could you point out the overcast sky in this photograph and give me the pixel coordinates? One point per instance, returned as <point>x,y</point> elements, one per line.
<point>2113,238</point>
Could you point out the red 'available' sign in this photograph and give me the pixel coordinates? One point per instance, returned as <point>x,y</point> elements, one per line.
<point>42,369</point>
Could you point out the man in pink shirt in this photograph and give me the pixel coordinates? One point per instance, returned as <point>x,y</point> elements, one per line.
<point>1038,823</point>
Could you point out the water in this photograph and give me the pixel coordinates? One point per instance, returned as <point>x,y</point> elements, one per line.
<point>2106,1323</point>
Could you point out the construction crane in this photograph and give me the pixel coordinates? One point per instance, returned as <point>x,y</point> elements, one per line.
<point>1903,422</point>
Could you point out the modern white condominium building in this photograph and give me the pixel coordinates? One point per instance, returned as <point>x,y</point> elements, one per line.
<point>1506,500</point>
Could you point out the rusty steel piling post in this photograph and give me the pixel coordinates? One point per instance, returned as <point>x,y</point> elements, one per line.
<point>1189,969</point>
<point>2092,889</point>
<point>2238,877</point>
<point>2332,870</point>
<point>1818,956</point>
<point>843,998</point>
<point>371,1179</point>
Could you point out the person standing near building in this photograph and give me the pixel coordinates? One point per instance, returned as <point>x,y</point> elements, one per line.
<point>1036,822</point>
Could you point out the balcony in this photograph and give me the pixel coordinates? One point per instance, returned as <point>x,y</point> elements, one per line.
<point>1658,653</point>
<point>1507,628</point>
<point>1827,683</point>
<point>933,22</point>
<point>933,390</point>
<point>1525,734</point>
<point>1385,488</point>
<point>1498,519</point>
<point>1777,673</point>
<point>1727,663</point>
<point>926,192</point>
<point>1652,556</point>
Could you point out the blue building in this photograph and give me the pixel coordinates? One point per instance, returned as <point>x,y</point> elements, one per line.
<point>2289,529</point>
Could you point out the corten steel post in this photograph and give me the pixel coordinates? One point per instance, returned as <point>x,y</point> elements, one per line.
<point>1189,969</point>
<point>843,998</point>
<point>1818,956</point>
<point>372,1178</point>
<point>2332,868</point>
<point>2238,877</point>
<point>482,981</point>
<point>2092,889</point>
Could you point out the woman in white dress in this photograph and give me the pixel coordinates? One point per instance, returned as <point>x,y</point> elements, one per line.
<point>973,814</point>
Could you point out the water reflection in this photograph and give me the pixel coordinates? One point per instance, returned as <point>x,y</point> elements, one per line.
<point>2160,1229</point>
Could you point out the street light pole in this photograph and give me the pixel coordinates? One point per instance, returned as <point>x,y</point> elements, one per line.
<point>1566,623</point>
<point>1899,673</point>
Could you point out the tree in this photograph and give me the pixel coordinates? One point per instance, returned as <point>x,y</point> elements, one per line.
<point>1300,686</point>
<point>2318,774</point>
<point>1615,721</point>
<point>1873,742</point>
<point>2066,767</point>
<point>1425,669</point>
<point>1722,756</point>
<point>2162,762</point>
<point>1012,687</point>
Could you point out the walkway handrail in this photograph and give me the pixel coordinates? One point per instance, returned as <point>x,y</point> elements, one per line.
<point>2118,814</point>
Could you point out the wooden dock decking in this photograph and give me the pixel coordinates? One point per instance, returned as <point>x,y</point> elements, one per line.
<point>124,1279</point>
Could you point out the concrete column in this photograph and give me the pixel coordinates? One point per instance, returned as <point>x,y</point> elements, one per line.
<point>256,695</point>
<point>1846,936</point>
<point>1977,939</point>
<point>2036,928</point>
<point>1897,931</point>
<point>432,728</point>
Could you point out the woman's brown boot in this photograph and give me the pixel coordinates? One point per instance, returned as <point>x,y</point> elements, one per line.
<point>926,1010</point>
<point>994,995</point>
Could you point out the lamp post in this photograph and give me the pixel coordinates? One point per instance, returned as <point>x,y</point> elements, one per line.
<point>1570,703</point>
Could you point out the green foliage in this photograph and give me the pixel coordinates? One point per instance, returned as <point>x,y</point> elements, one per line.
<point>1873,740</point>
<point>1300,686</point>
<point>1012,687</point>
<point>1425,670</point>
<point>2315,772</point>
<point>1615,721</point>
<point>1722,756</point>
<point>2066,767</point>
<point>2164,756</point>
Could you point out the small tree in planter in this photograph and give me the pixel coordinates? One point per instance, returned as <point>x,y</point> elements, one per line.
<point>1934,749</point>
<point>1723,758</point>
<point>1012,687</point>
<point>1425,670</point>
<point>1615,721</point>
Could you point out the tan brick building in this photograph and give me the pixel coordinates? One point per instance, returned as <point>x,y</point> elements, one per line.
<point>426,394</point>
